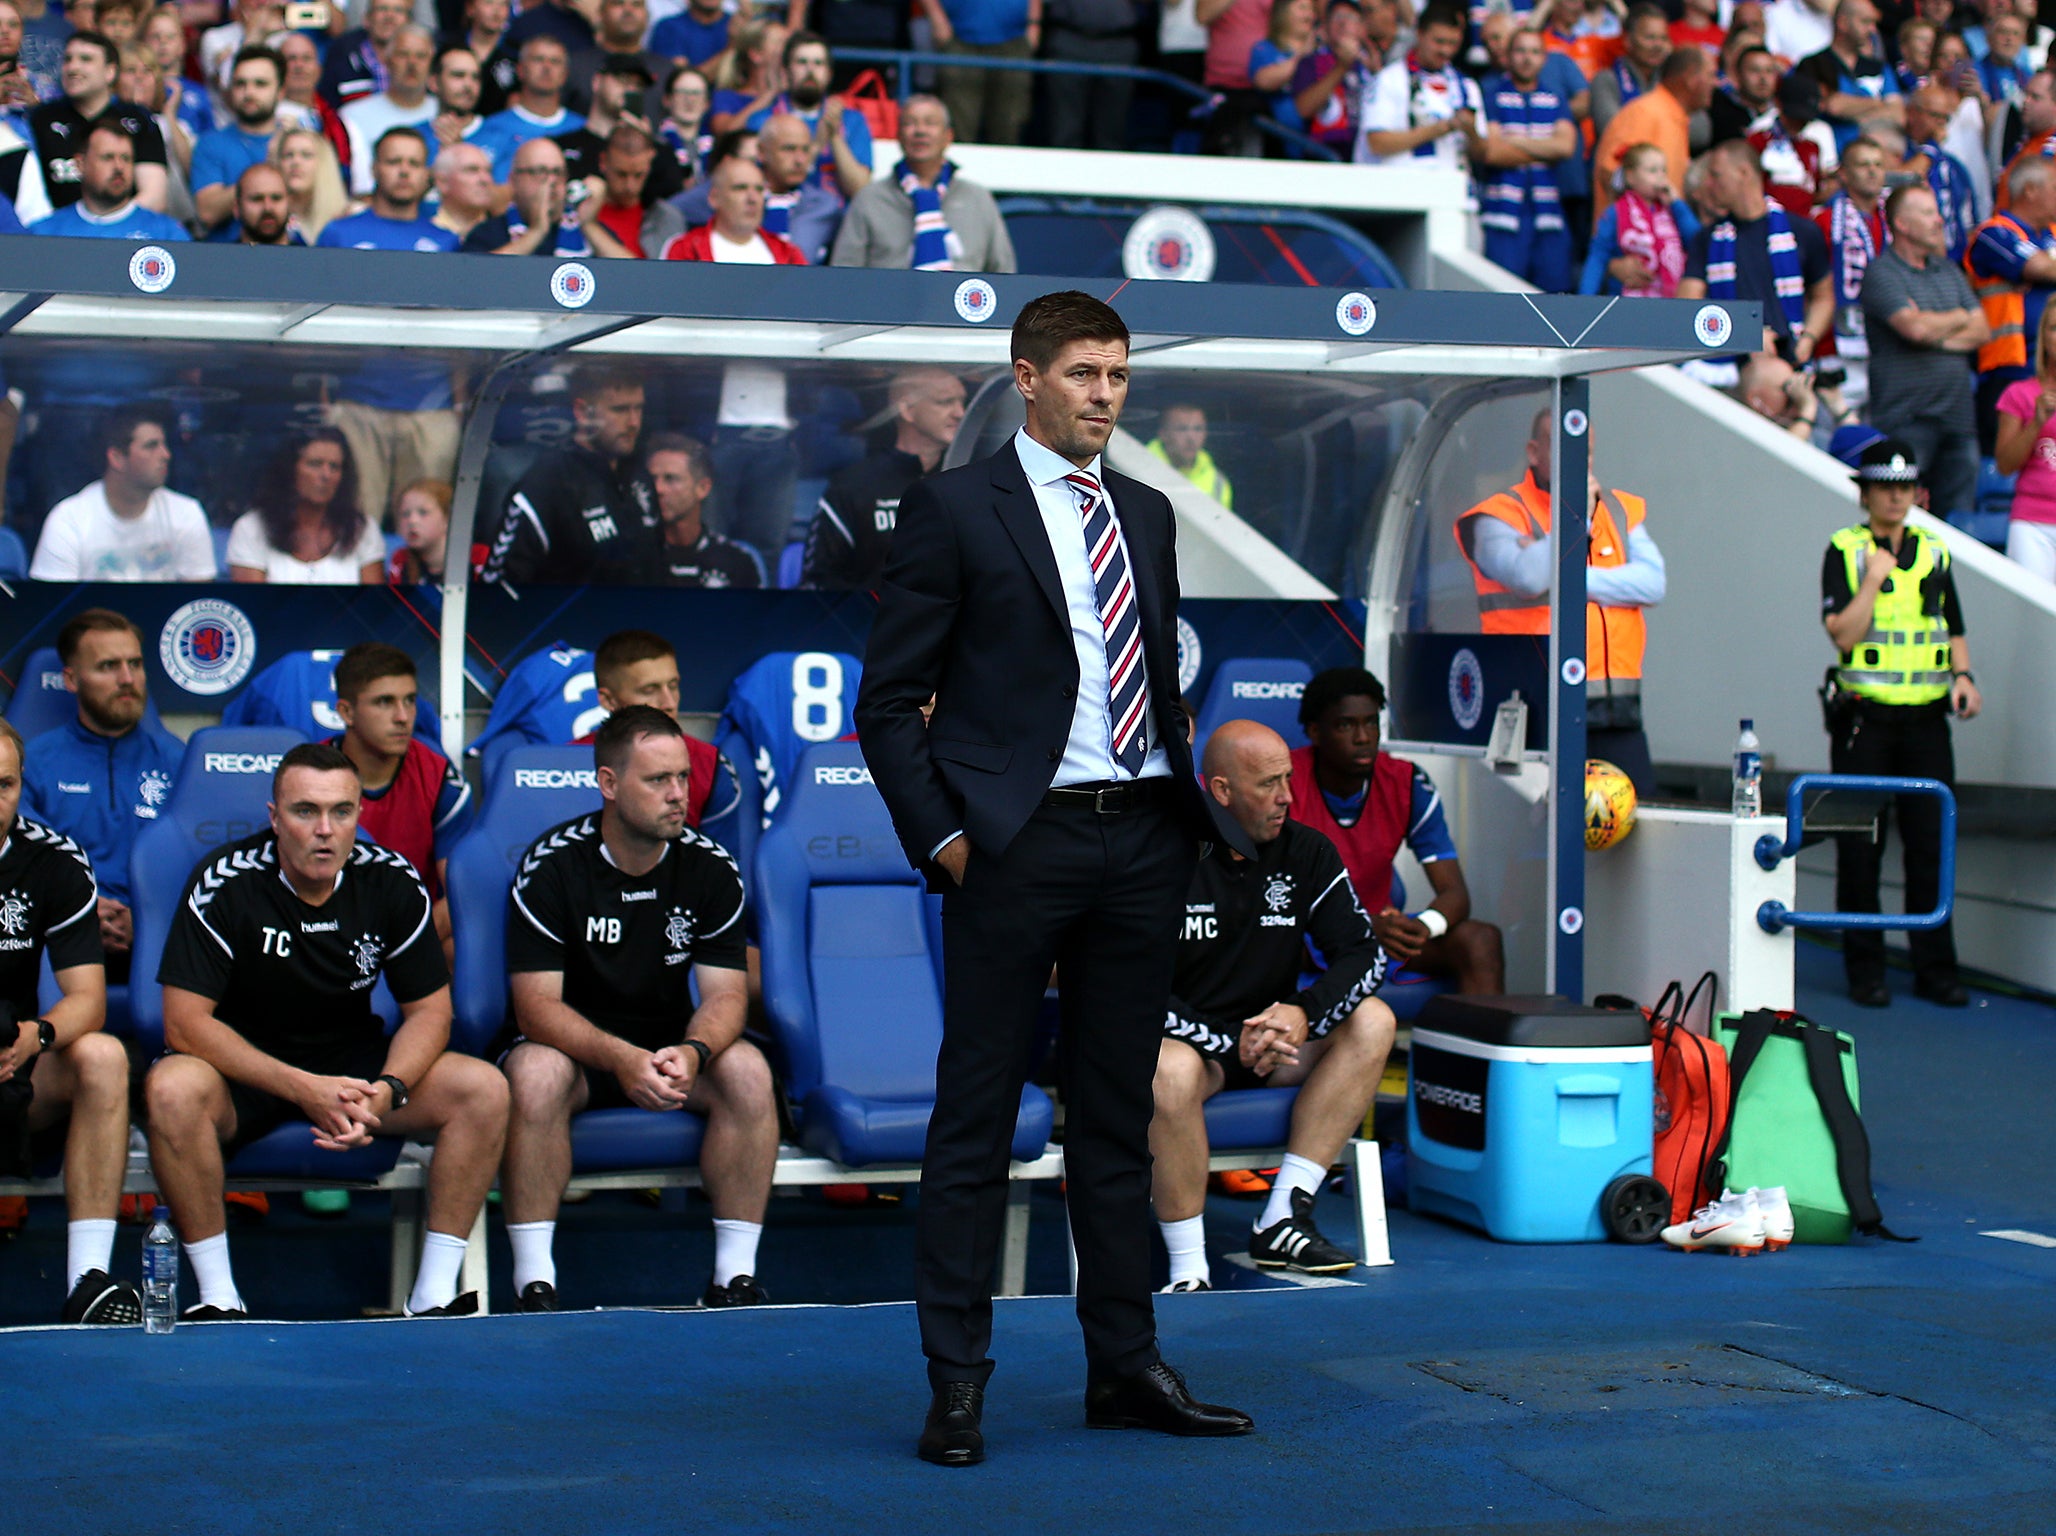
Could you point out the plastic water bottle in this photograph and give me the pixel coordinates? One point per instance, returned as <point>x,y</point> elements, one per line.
<point>160,1274</point>
<point>1748,772</point>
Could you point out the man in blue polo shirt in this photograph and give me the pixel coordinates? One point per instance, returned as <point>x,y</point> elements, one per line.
<point>536,110</point>
<point>101,777</point>
<point>221,156</point>
<point>842,138</point>
<point>393,222</point>
<point>107,208</point>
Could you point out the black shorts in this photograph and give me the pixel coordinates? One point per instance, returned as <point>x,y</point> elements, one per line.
<point>259,1113</point>
<point>1235,1075</point>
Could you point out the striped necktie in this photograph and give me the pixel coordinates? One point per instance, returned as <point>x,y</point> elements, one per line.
<point>1127,684</point>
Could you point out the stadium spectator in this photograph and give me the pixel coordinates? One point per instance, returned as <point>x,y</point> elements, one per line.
<point>1369,805</point>
<point>1747,92</point>
<point>1087,111</point>
<point>735,233</point>
<point>2026,448</point>
<point>106,204</point>
<point>536,110</point>
<point>303,105</point>
<point>1275,58</point>
<point>1648,43</point>
<point>1961,108</point>
<point>464,188</point>
<point>1638,246</point>
<point>1923,323</point>
<point>841,136</point>
<point>21,171</point>
<point>542,220</point>
<point>62,1065</point>
<point>126,526</point>
<point>617,43</point>
<point>685,132</point>
<point>1782,395</point>
<point>564,22</point>
<point>1181,443</point>
<point>1755,250</point>
<point>681,473</point>
<point>263,210</point>
<point>314,181</point>
<point>455,85</point>
<point>1699,26</point>
<point>485,33</point>
<point>1328,85</point>
<point>752,75</point>
<point>306,526</point>
<point>185,99</point>
<point>1528,132</point>
<point>221,156</point>
<point>1796,147</point>
<point>1662,117</point>
<point>697,36</point>
<point>1239,1017</point>
<point>1505,541</point>
<point>584,512</point>
<point>61,128</point>
<point>990,106</point>
<point>1956,194</point>
<point>852,529</point>
<point>598,1016</point>
<point>1233,29</point>
<point>2012,265</point>
<point>141,84</point>
<point>1853,223</point>
<point>1857,90</point>
<point>614,88</point>
<point>1914,52</point>
<point>1487,54</point>
<point>393,220</point>
<point>795,206</point>
<point>883,225</point>
<point>421,518</point>
<point>2025,125</point>
<point>1798,29</point>
<point>1421,107</point>
<point>629,210</point>
<point>2004,69</point>
<point>21,86</point>
<point>354,63</point>
<point>415,802</point>
<point>251,21</point>
<point>102,776</point>
<point>404,102</point>
<point>267,977</point>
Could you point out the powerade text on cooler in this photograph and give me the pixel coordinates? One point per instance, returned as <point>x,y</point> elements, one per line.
<point>1748,772</point>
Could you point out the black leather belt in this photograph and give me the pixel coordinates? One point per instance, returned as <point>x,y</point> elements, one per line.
<point>1113,797</point>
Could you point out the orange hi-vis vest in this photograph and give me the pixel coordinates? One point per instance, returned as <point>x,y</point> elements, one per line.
<point>1615,638</point>
<point>2004,304</point>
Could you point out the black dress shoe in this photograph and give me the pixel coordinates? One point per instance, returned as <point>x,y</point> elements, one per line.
<point>951,1437</point>
<point>1157,1399</point>
<point>1943,994</point>
<point>1870,994</point>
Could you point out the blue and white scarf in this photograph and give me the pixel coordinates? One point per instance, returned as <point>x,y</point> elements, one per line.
<point>1786,275</point>
<point>931,227</point>
<point>1954,199</point>
<point>1521,115</point>
<point>778,207</point>
<point>1624,77</point>
<point>1852,246</point>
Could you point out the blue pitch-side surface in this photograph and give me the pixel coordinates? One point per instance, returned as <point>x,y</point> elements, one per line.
<point>1472,1386</point>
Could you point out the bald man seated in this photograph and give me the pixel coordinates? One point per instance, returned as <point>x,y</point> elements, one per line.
<point>1240,1019</point>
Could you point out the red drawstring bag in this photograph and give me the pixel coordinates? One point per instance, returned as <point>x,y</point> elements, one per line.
<point>869,95</point>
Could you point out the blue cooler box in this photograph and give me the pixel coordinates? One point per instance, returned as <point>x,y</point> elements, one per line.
<point>1521,1110</point>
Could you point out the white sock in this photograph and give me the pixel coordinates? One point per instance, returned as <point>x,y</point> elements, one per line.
<point>1186,1241</point>
<point>435,1283</point>
<point>533,1260</point>
<point>1294,1173</point>
<point>211,1272</point>
<point>87,1245</point>
<point>735,1248</point>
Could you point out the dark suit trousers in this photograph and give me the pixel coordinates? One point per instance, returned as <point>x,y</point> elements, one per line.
<point>1100,898</point>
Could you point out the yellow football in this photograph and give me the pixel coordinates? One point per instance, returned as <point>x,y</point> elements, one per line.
<point>1609,805</point>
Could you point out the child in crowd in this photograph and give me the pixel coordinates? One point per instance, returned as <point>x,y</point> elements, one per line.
<point>2026,447</point>
<point>1639,246</point>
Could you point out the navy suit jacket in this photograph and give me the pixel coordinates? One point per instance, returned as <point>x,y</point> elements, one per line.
<point>972,610</point>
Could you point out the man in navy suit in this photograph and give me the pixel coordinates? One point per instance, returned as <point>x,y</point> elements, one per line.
<point>1052,799</point>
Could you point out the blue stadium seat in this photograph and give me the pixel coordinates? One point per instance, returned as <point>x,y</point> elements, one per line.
<point>850,977</point>
<point>1994,490</point>
<point>1987,527</point>
<point>777,707</point>
<point>224,784</point>
<point>41,702</point>
<point>535,789</point>
<point>792,561</point>
<point>14,555</point>
<point>1265,689</point>
<point>298,691</point>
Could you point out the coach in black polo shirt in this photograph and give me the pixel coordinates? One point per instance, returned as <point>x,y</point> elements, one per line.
<point>267,976</point>
<point>610,916</point>
<point>59,128</point>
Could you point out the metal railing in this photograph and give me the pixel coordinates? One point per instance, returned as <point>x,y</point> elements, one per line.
<point>1772,851</point>
<point>904,61</point>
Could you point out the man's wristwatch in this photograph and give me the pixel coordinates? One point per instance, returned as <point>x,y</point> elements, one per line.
<point>706,1052</point>
<point>46,1035</point>
<point>400,1094</point>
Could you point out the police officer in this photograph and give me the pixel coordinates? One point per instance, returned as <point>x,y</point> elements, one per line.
<point>852,530</point>
<point>1888,599</point>
<point>1505,539</point>
<point>586,512</point>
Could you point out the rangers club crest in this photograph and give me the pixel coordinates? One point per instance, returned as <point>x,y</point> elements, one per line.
<point>1355,313</point>
<point>1466,689</point>
<point>572,285</point>
<point>1712,326</point>
<point>677,933</point>
<point>151,268</point>
<point>1278,894</point>
<point>366,952</point>
<point>1188,655</point>
<point>976,302</point>
<point>208,646</point>
<point>14,914</point>
<point>152,790</point>
<point>1169,243</point>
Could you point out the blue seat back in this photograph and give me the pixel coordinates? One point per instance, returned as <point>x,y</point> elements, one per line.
<point>14,555</point>
<point>781,705</point>
<point>548,699</point>
<point>537,788</point>
<point>222,790</point>
<point>1265,689</point>
<point>298,691</point>
<point>850,978</point>
<point>41,702</point>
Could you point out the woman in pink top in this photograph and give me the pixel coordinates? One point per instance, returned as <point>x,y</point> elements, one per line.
<point>1233,27</point>
<point>2026,447</point>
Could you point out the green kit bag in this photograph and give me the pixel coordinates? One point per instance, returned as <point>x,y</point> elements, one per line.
<point>1793,1121</point>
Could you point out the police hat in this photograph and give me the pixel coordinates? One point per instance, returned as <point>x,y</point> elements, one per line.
<point>1887,462</point>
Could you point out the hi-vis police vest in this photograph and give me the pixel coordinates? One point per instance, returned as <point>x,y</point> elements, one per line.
<point>1905,657</point>
<point>1205,474</point>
